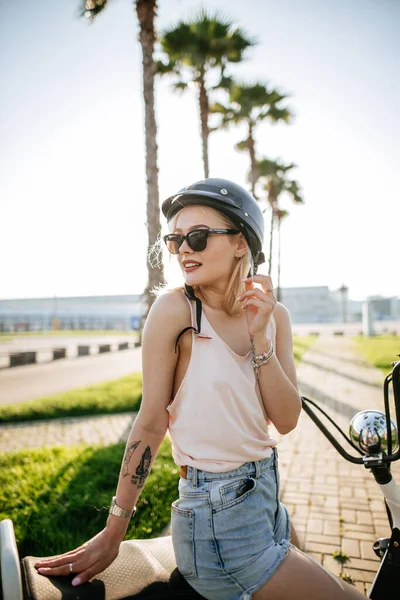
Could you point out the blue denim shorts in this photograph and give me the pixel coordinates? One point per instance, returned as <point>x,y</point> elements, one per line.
<point>229,530</point>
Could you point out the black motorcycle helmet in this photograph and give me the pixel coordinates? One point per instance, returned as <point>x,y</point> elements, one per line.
<point>232,200</point>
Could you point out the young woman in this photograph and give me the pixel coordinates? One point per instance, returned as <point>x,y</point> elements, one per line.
<point>217,369</point>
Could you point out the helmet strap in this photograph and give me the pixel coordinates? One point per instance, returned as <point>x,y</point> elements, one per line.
<point>189,293</point>
<point>257,260</point>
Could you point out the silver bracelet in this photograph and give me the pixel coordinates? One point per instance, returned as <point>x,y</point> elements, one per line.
<point>257,360</point>
<point>120,512</point>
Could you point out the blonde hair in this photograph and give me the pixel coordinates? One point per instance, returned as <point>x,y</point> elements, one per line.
<point>235,287</point>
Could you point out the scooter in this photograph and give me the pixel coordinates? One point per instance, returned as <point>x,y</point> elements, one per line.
<point>146,569</point>
<point>375,436</point>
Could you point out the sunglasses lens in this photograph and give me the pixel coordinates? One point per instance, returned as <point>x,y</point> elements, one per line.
<point>197,240</point>
<point>173,243</point>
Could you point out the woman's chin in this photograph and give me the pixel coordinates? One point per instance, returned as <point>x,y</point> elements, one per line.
<point>192,279</point>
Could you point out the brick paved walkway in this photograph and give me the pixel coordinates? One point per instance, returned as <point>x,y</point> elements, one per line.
<point>335,505</point>
<point>103,430</point>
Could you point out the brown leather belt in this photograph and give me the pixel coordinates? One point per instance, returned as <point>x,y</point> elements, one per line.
<point>183,471</point>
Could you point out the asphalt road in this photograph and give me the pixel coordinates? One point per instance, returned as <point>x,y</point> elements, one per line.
<point>34,381</point>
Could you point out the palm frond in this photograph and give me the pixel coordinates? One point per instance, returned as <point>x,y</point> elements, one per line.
<point>253,103</point>
<point>165,68</point>
<point>91,8</point>
<point>207,41</point>
<point>241,146</point>
<point>273,176</point>
<point>219,108</point>
<point>225,83</point>
<point>293,189</point>
<point>277,114</point>
<point>180,86</point>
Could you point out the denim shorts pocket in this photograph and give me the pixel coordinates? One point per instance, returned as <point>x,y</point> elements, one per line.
<point>182,525</point>
<point>235,493</point>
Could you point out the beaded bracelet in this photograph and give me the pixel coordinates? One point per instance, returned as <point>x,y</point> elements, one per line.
<point>257,360</point>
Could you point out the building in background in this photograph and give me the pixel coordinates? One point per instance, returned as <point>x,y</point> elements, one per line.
<point>384,309</point>
<point>316,304</point>
<point>319,304</point>
<point>118,313</point>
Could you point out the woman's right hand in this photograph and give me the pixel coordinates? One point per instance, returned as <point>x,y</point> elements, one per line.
<point>93,557</point>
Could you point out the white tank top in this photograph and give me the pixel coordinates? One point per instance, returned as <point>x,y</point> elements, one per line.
<point>217,420</point>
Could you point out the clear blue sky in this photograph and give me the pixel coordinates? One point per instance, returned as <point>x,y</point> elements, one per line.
<point>72,185</point>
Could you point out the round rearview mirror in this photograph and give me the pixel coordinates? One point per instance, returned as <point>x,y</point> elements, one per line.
<point>368,431</point>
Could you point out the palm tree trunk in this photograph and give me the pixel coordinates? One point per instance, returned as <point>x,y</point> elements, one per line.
<point>146,12</point>
<point>252,153</point>
<point>204,112</point>
<point>271,234</point>
<point>278,291</point>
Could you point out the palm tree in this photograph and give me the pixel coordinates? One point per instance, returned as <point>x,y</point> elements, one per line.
<point>279,216</point>
<point>197,51</point>
<point>251,104</point>
<point>146,12</point>
<point>272,174</point>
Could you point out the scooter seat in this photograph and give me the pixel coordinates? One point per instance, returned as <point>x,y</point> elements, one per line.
<point>143,570</point>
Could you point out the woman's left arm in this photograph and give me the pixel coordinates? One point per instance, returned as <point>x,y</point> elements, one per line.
<point>277,378</point>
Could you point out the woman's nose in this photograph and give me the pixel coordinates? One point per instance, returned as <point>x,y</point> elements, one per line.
<point>184,248</point>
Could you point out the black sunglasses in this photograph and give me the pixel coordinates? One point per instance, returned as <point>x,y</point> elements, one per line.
<point>195,239</point>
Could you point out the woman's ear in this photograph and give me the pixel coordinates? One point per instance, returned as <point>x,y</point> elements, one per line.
<point>242,247</point>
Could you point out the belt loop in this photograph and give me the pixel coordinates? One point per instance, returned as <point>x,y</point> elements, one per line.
<point>258,468</point>
<point>194,477</point>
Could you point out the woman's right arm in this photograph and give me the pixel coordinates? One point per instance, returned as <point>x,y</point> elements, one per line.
<point>166,318</point>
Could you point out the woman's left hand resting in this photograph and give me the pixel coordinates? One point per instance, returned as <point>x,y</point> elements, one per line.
<point>93,557</point>
<point>258,303</point>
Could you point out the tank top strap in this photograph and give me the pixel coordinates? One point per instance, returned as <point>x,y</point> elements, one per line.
<point>193,325</point>
<point>205,327</point>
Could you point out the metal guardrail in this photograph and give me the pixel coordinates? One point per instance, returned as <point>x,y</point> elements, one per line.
<point>28,357</point>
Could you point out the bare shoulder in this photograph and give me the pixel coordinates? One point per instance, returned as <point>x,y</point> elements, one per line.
<point>170,313</point>
<point>281,314</point>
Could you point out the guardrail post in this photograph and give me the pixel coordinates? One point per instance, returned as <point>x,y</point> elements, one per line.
<point>104,348</point>
<point>83,350</point>
<point>18,359</point>
<point>59,353</point>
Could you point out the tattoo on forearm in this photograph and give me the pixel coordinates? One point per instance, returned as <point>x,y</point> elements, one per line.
<point>143,469</point>
<point>128,455</point>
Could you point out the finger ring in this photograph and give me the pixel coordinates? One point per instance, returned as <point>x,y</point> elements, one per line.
<point>70,567</point>
<point>270,290</point>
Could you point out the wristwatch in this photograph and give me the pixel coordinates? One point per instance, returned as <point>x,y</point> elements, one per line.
<point>120,512</point>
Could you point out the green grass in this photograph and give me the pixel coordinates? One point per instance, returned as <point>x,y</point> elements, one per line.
<point>58,498</point>
<point>5,338</point>
<point>120,395</point>
<point>300,345</point>
<point>380,350</point>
